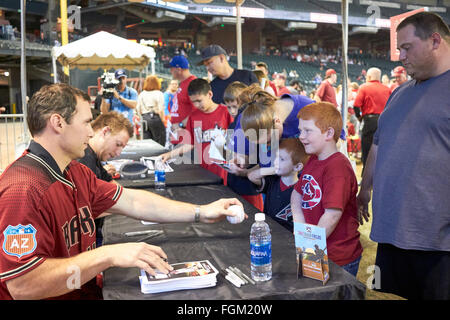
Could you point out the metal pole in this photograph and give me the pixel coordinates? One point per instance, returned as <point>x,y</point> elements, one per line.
<point>23,67</point>
<point>238,35</point>
<point>64,29</point>
<point>344,105</point>
<point>55,75</point>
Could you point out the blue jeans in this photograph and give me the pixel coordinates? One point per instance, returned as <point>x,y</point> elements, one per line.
<point>353,266</point>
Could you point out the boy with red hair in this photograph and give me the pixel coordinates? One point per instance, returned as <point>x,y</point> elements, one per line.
<point>325,194</point>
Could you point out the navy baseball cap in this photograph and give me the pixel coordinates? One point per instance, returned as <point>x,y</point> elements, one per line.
<point>211,51</point>
<point>178,62</point>
<point>120,73</point>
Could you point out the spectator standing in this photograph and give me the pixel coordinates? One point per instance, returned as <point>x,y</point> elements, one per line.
<point>124,100</point>
<point>182,106</point>
<point>264,68</point>
<point>169,96</point>
<point>150,107</point>
<point>278,184</point>
<point>325,194</point>
<point>280,82</point>
<point>409,170</point>
<point>370,101</point>
<point>400,76</point>
<point>214,58</point>
<point>326,91</point>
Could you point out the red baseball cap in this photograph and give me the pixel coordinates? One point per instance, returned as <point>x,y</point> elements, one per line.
<point>330,72</point>
<point>398,71</point>
<point>278,75</point>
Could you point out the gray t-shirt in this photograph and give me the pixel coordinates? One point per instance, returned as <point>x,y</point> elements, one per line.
<point>411,186</point>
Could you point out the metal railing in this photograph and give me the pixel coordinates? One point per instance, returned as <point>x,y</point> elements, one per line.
<point>13,138</point>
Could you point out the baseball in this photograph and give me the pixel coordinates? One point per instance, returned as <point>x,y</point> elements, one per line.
<point>239,217</point>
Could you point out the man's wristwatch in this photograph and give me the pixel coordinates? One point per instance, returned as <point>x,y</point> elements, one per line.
<point>197,214</point>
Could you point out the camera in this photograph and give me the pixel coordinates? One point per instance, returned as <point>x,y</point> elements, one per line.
<point>109,84</point>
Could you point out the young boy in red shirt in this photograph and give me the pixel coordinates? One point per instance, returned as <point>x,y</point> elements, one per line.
<point>325,194</point>
<point>205,122</point>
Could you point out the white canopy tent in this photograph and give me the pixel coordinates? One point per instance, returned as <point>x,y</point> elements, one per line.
<point>103,50</point>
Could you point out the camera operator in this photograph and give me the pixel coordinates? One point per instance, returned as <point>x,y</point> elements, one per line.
<point>124,99</point>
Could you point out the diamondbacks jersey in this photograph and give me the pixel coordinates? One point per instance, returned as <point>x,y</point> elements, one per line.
<point>48,214</point>
<point>277,203</point>
<point>331,184</point>
<point>181,103</point>
<point>201,127</point>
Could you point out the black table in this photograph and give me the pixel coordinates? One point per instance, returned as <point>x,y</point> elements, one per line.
<point>223,244</point>
<point>183,175</point>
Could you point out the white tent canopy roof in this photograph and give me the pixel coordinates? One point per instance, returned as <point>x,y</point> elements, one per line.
<point>103,50</point>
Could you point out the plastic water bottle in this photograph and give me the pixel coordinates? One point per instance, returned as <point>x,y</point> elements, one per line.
<point>160,175</point>
<point>261,249</point>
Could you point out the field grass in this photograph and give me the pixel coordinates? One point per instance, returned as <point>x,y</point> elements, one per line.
<point>369,254</point>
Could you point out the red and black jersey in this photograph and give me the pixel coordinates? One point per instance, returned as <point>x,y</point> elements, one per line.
<point>45,213</point>
<point>277,203</point>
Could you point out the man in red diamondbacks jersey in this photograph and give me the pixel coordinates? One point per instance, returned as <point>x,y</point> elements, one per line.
<point>206,125</point>
<point>48,203</point>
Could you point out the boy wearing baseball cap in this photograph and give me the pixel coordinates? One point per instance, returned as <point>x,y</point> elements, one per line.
<point>399,73</point>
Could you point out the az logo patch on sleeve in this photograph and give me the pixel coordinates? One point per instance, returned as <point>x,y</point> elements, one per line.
<point>19,240</point>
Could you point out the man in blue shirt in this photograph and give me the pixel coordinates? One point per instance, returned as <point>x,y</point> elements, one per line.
<point>214,58</point>
<point>125,98</point>
<point>408,168</point>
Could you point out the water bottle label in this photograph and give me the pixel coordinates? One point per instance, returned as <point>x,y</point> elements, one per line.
<point>160,176</point>
<point>261,254</point>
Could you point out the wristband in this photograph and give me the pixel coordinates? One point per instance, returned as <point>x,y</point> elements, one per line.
<point>197,214</point>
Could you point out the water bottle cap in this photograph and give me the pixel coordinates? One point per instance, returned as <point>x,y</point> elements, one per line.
<point>260,217</point>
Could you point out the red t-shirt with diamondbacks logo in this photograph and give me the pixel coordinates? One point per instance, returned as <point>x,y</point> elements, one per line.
<point>326,184</point>
<point>181,103</point>
<point>202,127</point>
<point>48,214</point>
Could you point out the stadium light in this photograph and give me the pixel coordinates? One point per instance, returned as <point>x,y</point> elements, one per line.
<point>302,25</point>
<point>371,30</point>
<point>223,20</point>
<point>171,14</point>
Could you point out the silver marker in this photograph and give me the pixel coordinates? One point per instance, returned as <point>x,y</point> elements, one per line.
<point>245,276</point>
<point>140,233</point>
<point>234,276</point>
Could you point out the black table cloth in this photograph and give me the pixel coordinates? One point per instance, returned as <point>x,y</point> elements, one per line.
<point>223,244</point>
<point>183,175</point>
<point>135,149</point>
